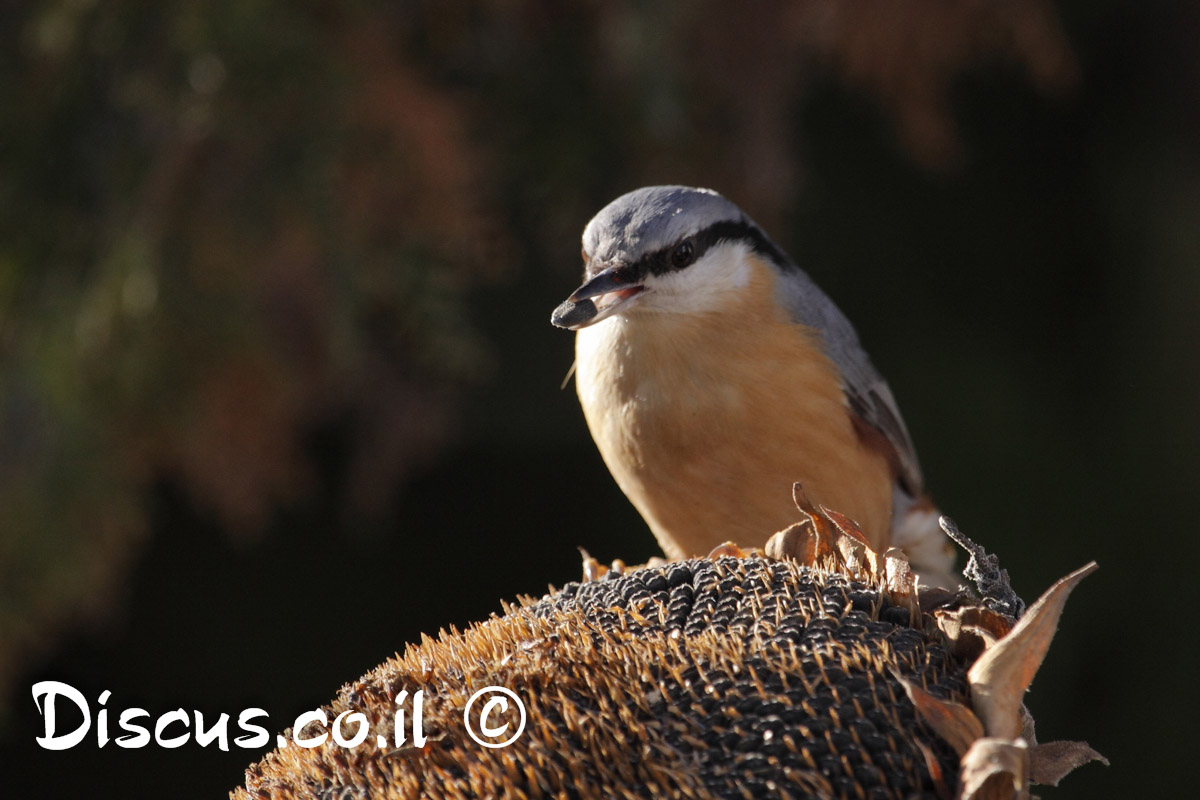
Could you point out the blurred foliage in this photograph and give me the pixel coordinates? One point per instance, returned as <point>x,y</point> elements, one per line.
<point>222,223</point>
<point>226,224</point>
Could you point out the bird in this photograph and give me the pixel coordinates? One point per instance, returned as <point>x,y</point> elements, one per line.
<point>713,373</point>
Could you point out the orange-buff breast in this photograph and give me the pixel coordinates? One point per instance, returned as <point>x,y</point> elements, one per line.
<point>705,420</point>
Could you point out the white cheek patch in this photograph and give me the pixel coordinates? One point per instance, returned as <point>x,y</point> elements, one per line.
<point>707,285</point>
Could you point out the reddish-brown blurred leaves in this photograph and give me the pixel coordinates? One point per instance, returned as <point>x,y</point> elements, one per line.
<point>728,84</point>
<point>908,55</point>
<point>238,447</point>
<point>278,235</point>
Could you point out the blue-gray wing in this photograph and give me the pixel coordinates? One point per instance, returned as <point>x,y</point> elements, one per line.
<point>867,393</point>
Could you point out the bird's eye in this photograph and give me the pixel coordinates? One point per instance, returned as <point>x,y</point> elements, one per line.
<point>683,254</point>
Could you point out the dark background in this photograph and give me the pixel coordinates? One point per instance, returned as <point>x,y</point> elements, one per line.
<point>278,391</point>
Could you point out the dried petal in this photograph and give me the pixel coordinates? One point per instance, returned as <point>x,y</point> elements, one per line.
<point>1002,674</point>
<point>932,598</point>
<point>853,553</point>
<point>954,722</point>
<point>935,771</point>
<point>726,549</point>
<point>994,769</point>
<point>799,542</point>
<point>593,570</point>
<point>1050,762</point>
<point>972,629</point>
<point>830,536</point>
<point>822,525</point>
<point>898,574</point>
<point>845,525</point>
<point>1027,727</point>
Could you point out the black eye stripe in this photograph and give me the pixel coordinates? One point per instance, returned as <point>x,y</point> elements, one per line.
<point>659,262</point>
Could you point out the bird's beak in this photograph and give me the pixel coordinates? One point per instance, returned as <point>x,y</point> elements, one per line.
<point>600,297</point>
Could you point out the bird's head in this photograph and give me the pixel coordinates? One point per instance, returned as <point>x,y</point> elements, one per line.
<point>669,249</point>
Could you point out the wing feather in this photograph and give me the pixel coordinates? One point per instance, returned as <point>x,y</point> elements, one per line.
<point>867,394</point>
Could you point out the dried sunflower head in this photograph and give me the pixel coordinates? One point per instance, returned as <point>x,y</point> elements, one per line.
<point>730,676</point>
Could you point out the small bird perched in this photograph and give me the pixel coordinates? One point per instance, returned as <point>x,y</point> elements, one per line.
<point>713,373</point>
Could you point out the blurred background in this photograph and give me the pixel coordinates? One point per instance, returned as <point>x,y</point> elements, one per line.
<point>278,390</point>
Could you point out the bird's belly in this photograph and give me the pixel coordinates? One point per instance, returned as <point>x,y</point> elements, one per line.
<point>709,457</point>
